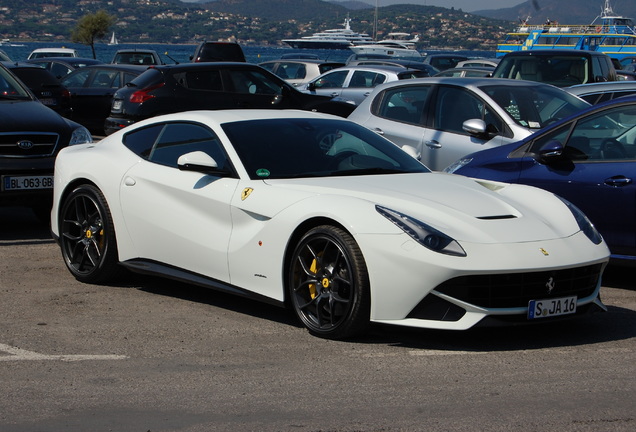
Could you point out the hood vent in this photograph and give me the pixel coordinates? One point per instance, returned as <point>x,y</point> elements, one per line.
<point>496,217</point>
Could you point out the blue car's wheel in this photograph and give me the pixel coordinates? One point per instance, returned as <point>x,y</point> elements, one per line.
<point>329,283</point>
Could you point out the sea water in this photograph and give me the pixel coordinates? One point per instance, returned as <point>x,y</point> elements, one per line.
<point>181,53</point>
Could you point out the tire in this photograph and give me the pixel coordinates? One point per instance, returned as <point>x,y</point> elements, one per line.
<point>329,284</point>
<point>87,236</point>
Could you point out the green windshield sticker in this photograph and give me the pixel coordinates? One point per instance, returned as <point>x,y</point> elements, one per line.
<point>262,172</point>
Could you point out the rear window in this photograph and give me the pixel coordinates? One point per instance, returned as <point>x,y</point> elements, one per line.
<point>220,52</point>
<point>33,77</point>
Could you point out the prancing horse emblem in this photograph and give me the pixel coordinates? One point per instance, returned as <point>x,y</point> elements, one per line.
<point>550,285</point>
<point>246,192</point>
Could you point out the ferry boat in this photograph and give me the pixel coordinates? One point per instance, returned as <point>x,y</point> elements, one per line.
<point>331,39</point>
<point>609,33</point>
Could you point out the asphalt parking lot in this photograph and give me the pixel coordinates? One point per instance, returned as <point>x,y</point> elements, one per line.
<point>154,355</point>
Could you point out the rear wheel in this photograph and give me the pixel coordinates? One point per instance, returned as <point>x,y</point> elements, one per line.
<point>329,283</point>
<point>87,236</point>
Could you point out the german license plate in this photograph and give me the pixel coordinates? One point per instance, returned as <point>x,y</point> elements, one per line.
<point>12,183</point>
<point>551,307</point>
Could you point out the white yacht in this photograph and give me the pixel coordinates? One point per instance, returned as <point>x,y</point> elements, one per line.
<point>395,45</point>
<point>331,39</point>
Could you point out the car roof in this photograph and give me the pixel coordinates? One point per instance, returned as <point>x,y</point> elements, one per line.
<point>236,115</point>
<point>582,89</point>
<point>123,67</point>
<point>64,60</point>
<point>465,82</point>
<point>21,64</point>
<point>301,61</point>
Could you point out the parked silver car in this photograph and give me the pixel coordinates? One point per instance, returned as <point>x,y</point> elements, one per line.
<point>596,93</point>
<point>299,71</point>
<point>447,118</point>
<point>354,84</point>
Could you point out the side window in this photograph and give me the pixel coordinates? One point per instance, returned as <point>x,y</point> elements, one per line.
<point>201,80</point>
<point>334,79</point>
<point>610,135</point>
<point>366,79</point>
<point>77,79</point>
<point>141,141</point>
<point>105,79</point>
<point>454,106</point>
<point>253,82</point>
<point>291,70</point>
<point>177,139</point>
<point>128,77</point>
<point>59,70</point>
<point>404,105</point>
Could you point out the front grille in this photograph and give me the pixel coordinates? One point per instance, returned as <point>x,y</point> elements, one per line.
<point>34,144</point>
<point>517,289</point>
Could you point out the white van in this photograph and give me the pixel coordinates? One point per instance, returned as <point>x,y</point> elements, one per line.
<point>53,52</point>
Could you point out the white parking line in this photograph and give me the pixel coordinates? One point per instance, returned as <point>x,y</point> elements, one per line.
<point>18,354</point>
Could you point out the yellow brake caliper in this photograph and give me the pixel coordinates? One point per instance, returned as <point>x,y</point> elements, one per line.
<point>312,287</point>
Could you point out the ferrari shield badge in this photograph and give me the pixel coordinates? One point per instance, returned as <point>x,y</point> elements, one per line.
<point>246,192</point>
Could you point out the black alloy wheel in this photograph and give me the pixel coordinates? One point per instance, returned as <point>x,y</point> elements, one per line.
<point>329,284</point>
<point>87,236</point>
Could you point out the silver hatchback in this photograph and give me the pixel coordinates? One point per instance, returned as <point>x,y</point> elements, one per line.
<point>447,118</point>
<point>353,84</point>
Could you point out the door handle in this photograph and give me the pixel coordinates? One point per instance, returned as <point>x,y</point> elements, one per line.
<point>618,181</point>
<point>378,131</point>
<point>129,181</point>
<point>433,144</point>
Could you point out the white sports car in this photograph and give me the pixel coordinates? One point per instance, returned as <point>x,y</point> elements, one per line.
<point>321,214</point>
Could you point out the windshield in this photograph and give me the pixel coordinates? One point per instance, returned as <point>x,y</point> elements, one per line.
<point>10,88</point>
<point>534,106</point>
<point>293,148</point>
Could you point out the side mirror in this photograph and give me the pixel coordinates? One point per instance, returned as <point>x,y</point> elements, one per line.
<point>475,127</point>
<point>200,162</point>
<point>311,86</point>
<point>551,150</point>
<point>412,151</point>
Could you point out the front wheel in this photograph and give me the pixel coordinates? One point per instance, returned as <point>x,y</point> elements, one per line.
<point>87,236</point>
<point>329,284</point>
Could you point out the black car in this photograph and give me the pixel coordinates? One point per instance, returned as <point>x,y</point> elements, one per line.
<point>92,89</point>
<point>31,135</point>
<point>44,86</point>
<point>220,85</point>
<point>62,66</point>
<point>218,51</point>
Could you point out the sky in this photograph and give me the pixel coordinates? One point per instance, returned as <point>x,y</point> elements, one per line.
<point>465,5</point>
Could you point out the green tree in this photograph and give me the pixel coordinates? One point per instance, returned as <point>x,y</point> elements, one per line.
<point>91,27</point>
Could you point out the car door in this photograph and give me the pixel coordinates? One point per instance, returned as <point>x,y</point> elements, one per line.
<point>200,89</point>
<point>174,216</point>
<point>597,173</point>
<point>331,83</point>
<point>361,84</point>
<point>444,139</point>
<point>254,88</point>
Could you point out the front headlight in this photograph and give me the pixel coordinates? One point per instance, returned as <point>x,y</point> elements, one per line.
<point>80,135</point>
<point>457,165</point>
<point>584,223</point>
<point>424,234</point>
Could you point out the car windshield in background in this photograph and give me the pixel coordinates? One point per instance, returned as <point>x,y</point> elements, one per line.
<point>276,149</point>
<point>534,107</point>
<point>9,87</point>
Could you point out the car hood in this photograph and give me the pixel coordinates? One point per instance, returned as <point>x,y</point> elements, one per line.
<point>19,115</point>
<point>467,209</point>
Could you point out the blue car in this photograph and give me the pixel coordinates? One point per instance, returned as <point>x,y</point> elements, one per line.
<point>588,158</point>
